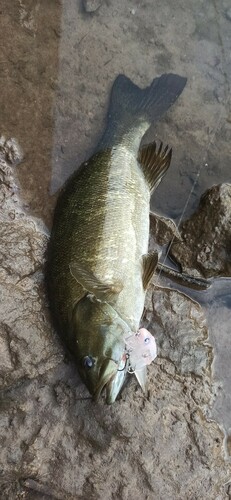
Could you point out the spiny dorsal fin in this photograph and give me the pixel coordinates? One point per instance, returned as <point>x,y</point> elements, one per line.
<point>154,162</point>
<point>102,291</point>
<point>150,262</point>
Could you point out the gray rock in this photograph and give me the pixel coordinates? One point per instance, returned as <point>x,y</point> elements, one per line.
<point>206,236</point>
<point>180,330</point>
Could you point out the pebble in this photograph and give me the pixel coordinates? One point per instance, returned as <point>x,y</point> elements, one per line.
<point>91,5</point>
<point>228,14</point>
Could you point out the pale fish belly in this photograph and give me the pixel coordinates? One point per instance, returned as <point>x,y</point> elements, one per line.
<point>125,234</point>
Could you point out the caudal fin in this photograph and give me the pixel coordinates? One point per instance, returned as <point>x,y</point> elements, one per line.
<point>131,105</point>
<point>151,102</point>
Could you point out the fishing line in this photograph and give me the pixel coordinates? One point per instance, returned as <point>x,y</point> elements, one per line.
<point>205,164</point>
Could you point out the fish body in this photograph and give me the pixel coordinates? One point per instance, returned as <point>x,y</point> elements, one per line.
<point>98,262</point>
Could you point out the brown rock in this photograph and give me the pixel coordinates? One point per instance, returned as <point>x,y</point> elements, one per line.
<point>206,236</point>
<point>54,440</point>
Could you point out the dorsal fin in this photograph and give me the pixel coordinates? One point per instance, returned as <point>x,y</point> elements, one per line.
<point>150,261</point>
<point>102,291</point>
<point>154,162</point>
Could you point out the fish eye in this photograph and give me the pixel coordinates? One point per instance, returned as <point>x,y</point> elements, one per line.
<point>147,340</point>
<point>88,362</point>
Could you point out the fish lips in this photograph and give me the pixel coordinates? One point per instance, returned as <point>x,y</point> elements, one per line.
<point>112,379</point>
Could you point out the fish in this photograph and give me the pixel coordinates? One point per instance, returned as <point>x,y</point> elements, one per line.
<point>98,266</point>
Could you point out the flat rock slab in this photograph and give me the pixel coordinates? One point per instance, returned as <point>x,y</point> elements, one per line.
<point>57,443</point>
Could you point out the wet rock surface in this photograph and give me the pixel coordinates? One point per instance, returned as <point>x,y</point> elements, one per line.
<point>92,5</point>
<point>56,443</point>
<point>22,311</point>
<point>206,236</point>
<point>162,230</point>
<point>185,324</point>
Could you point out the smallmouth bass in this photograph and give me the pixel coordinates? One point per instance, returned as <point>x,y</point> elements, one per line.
<point>98,262</point>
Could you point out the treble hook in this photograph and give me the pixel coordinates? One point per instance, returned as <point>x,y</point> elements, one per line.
<point>126,360</point>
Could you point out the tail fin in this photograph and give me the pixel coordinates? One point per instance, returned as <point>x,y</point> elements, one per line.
<point>130,105</point>
<point>151,102</point>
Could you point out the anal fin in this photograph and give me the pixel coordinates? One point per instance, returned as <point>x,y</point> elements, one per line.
<point>150,262</point>
<point>154,162</point>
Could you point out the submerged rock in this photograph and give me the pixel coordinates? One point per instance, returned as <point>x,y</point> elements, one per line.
<point>206,236</point>
<point>92,5</point>
<point>54,440</point>
<point>228,14</point>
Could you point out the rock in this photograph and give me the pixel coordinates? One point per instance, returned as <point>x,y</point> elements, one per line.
<point>228,14</point>
<point>162,230</point>
<point>92,5</point>
<point>9,201</point>
<point>180,330</point>
<point>10,150</point>
<point>22,309</point>
<point>55,442</point>
<point>206,236</point>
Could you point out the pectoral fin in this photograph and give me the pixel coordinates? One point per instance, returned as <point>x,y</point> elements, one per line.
<point>154,162</point>
<point>141,376</point>
<point>102,291</point>
<point>150,262</point>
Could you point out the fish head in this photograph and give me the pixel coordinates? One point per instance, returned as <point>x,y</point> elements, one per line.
<point>98,333</point>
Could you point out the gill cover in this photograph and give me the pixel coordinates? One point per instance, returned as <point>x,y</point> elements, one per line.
<point>99,335</point>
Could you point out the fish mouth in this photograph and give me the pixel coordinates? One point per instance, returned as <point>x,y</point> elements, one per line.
<point>112,380</point>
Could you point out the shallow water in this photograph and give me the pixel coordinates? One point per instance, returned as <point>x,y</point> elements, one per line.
<point>58,63</point>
